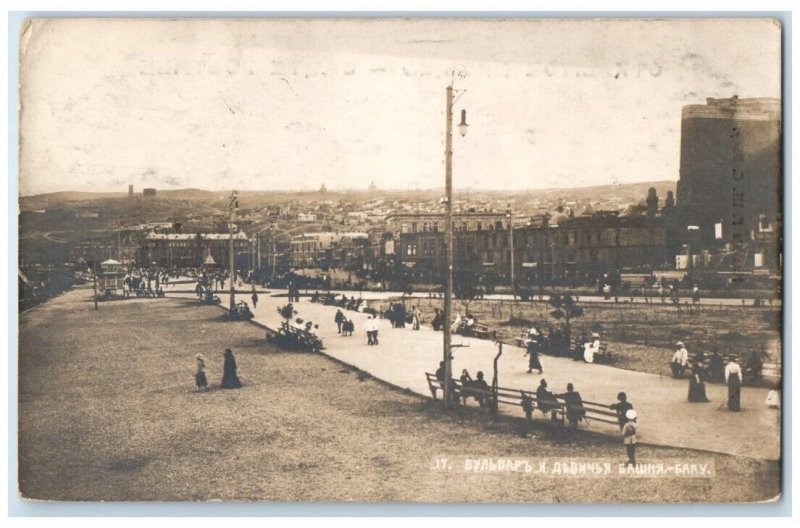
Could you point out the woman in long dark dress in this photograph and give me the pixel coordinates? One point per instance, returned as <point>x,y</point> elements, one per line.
<point>733,378</point>
<point>229,378</point>
<point>697,386</point>
<point>533,353</point>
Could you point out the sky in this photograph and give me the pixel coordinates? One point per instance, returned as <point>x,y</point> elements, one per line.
<point>297,103</point>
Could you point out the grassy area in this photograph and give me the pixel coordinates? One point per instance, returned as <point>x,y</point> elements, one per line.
<point>108,411</point>
<point>640,335</point>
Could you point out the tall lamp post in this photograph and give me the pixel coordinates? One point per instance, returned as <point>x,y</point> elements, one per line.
<point>448,229</point>
<point>510,216</point>
<point>234,205</point>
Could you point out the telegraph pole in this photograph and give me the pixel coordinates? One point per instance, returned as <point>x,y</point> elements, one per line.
<point>448,230</point>
<point>234,204</point>
<point>448,236</point>
<point>511,256</point>
<point>94,264</point>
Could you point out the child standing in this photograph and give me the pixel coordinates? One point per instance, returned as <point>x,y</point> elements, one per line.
<point>200,375</point>
<point>629,436</point>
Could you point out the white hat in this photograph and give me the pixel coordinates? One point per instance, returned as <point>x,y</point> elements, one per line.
<point>679,343</point>
<point>200,356</point>
<point>595,334</point>
<point>631,414</point>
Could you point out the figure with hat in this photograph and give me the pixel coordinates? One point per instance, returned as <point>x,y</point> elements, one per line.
<point>680,360</point>
<point>733,378</point>
<point>200,374</point>
<point>629,436</point>
<point>533,347</point>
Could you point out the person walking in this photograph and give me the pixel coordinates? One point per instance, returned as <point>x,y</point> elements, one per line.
<point>254,297</point>
<point>629,436</point>
<point>533,349</point>
<point>368,328</point>
<point>338,319</point>
<point>200,374</point>
<point>697,386</point>
<point>374,327</point>
<point>733,378</point>
<point>415,318</point>
<point>230,379</point>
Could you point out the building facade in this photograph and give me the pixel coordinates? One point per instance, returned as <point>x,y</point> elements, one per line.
<point>730,179</point>
<point>324,249</point>
<point>192,250</point>
<point>565,251</point>
<point>403,223</point>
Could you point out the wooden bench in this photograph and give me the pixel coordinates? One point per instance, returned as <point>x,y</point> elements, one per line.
<point>481,331</point>
<point>556,409</point>
<point>434,384</point>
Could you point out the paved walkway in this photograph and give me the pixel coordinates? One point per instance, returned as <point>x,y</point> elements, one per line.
<point>186,284</point>
<point>666,417</point>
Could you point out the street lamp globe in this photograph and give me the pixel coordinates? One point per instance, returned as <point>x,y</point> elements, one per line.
<point>463,126</point>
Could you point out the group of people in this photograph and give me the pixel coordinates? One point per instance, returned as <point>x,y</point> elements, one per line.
<point>344,326</point>
<point>731,372</point>
<point>536,343</point>
<point>463,326</point>
<point>230,378</point>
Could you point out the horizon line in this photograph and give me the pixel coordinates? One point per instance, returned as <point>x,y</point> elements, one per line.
<point>364,190</point>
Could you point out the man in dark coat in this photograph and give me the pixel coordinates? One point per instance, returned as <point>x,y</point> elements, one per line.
<point>621,407</point>
<point>338,319</point>
<point>574,403</point>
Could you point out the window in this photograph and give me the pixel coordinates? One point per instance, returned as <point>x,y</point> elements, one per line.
<point>413,227</point>
<point>479,227</point>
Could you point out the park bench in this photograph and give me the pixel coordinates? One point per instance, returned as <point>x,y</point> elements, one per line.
<point>481,331</point>
<point>556,409</point>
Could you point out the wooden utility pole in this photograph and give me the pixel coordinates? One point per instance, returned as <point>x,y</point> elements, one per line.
<point>495,381</point>
<point>94,264</point>
<point>448,230</point>
<point>234,204</point>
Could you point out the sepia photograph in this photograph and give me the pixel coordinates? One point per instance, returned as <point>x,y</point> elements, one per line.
<point>451,260</point>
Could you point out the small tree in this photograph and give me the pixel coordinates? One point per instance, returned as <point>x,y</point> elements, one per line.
<point>566,308</point>
<point>465,286</point>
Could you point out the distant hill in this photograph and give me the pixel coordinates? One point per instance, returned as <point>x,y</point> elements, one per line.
<point>251,198</point>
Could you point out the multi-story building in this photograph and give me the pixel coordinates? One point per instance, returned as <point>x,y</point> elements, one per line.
<point>548,249</point>
<point>322,249</point>
<point>431,222</point>
<point>192,249</point>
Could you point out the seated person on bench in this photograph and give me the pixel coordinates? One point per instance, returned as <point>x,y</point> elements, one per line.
<point>574,402</point>
<point>477,388</point>
<point>545,400</point>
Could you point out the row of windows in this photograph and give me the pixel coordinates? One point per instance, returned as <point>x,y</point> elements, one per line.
<point>433,227</point>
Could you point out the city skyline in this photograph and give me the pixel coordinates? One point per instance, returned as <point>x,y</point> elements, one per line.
<point>290,105</point>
